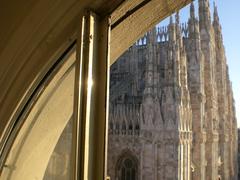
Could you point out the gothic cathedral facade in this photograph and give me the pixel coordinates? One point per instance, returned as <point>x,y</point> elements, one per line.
<point>172,113</point>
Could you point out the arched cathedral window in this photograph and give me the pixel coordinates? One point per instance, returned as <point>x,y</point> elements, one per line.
<point>127,169</point>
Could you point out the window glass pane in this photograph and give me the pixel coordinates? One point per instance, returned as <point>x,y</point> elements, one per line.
<point>59,164</point>
<point>42,147</point>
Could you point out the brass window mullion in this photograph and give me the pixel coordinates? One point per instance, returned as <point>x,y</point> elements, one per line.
<point>91,99</point>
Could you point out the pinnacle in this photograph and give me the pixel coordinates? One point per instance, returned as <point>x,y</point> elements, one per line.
<point>215,13</point>
<point>192,11</point>
<point>171,20</point>
<point>177,17</point>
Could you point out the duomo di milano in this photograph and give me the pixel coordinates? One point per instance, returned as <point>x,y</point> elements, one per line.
<point>172,113</point>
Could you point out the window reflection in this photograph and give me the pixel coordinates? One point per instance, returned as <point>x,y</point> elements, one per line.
<point>42,147</point>
<point>59,164</point>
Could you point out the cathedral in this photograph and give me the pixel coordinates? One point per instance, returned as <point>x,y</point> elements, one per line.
<point>172,113</point>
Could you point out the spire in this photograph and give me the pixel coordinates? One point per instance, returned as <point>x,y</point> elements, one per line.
<point>217,27</point>
<point>152,36</point>
<point>171,20</point>
<point>149,78</point>
<point>215,14</point>
<point>204,14</point>
<point>171,30</point>
<point>178,30</point>
<point>192,11</point>
<point>177,18</point>
<point>193,24</point>
<point>174,46</point>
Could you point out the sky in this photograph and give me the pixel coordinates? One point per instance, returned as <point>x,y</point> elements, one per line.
<point>229,15</point>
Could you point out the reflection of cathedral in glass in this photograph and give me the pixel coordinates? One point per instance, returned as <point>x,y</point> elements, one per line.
<point>59,164</point>
<point>171,105</point>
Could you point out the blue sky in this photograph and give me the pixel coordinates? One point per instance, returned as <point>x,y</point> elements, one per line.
<point>229,14</point>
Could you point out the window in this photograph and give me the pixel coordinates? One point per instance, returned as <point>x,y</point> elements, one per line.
<point>127,169</point>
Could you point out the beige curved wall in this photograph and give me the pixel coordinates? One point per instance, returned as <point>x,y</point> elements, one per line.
<point>41,35</point>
